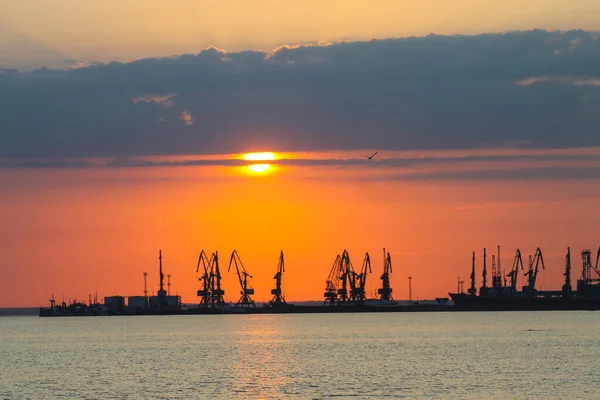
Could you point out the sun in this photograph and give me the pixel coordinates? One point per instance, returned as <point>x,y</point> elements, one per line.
<point>262,167</point>
<point>259,168</point>
<point>265,156</point>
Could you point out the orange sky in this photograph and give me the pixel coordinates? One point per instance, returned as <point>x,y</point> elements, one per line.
<point>107,30</point>
<point>72,231</point>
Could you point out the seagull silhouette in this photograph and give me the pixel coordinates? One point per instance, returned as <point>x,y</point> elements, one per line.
<point>372,155</point>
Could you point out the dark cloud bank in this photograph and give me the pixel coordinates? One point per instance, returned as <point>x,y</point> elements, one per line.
<point>534,88</point>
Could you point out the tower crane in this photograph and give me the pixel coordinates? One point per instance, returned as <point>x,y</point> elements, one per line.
<point>278,298</point>
<point>359,281</point>
<point>514,272</point>
<point>204,293</point>
<point>216,293</point>
<point>245,300</point>
<point>386,291</point>
<point>533,271</point>
<point>332,282</point>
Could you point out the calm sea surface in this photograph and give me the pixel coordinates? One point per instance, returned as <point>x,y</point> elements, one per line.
<point>535,355</point>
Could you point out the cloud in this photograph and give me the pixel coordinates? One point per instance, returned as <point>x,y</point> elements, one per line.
<point>76,64</point>
<point>187,118</point>
<point>418,93</point>
<point>164,99</point>
<point>466,165</point>
<point>565,80</point>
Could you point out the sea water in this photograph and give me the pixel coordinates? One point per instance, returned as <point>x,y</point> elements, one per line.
<point>501,355</point>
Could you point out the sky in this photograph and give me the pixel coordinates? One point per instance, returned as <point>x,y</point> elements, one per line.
<point>63,32</point>
<point>123,129</point>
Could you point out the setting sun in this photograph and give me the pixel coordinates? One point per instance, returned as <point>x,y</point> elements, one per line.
<point>265,156</point>
<point>258,168</point>
<point>261,167</point>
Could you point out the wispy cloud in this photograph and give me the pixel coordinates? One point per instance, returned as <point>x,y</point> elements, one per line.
<point>187,118</point>
<point>162,99</point>
<point>491,164</point>
<point>565,80</point>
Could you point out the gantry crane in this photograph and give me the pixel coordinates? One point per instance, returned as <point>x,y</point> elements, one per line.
<point>514,272</point>
<point>332,282</point>
<point>245,300</point>
<point>358,282</point>
<point>278,298</point>
<point>385,291</point>
<point>531,274</point>
<point>216,293</point>
<point>204,293</point>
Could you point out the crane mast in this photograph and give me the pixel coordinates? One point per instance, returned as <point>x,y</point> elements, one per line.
<point>162,294</point>
<point>567,289</point>
<point>496,271</point>
<point>483,290</point>
<point>243,277</point>
<point>499,270</point>
<point>473,290</point>
<point>385,291</point>
<point>278,298</point>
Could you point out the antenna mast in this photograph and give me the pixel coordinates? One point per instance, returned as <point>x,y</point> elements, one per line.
<point>145,284</point>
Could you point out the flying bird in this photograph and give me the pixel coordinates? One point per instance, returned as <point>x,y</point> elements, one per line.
<point>372,155</point>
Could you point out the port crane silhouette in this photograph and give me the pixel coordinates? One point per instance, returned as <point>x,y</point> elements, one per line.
<point>332,282</point>
<point>278,298</point>
<point>358,281</point>
<point>386,291</point>
<point>531,274</point>
<point>344,285</point>
<point>216,293</point>
<point>245,300</point>
<point>514,272</point>
<point>205,292</point>
<point>345,268</point>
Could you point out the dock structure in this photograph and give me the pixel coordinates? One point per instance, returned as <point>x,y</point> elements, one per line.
<point>346,289</point>
<point>503,296</point>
